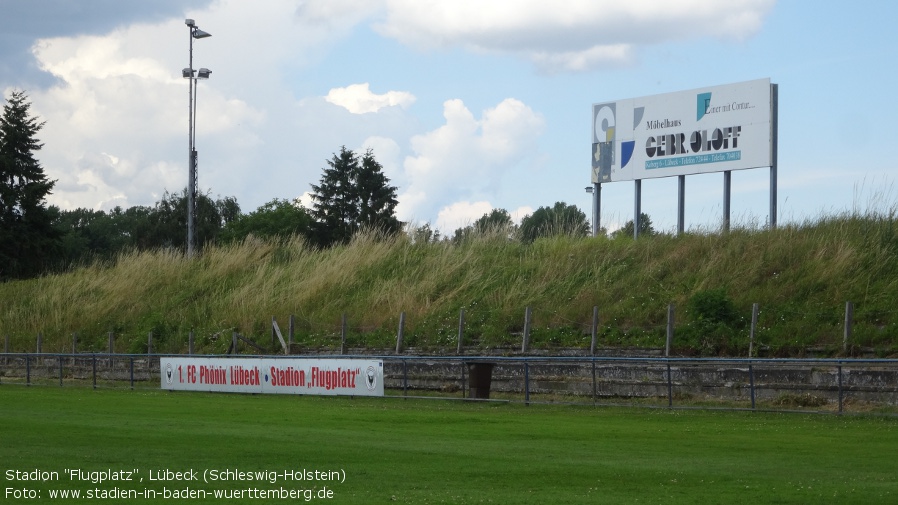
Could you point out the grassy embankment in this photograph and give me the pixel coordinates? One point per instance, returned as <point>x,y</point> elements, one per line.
<point>801,275</point>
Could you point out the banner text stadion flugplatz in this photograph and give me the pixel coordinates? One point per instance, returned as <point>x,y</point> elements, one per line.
<point>353,377</point>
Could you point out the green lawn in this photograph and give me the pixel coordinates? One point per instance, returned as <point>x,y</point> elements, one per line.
<point>440,451</point>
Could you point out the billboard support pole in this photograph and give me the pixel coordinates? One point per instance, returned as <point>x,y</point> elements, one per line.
<point>596,208</point>
<point>681,204</point>
<point>774,137</point>
<point>637,207</point>
<point>727,187</point>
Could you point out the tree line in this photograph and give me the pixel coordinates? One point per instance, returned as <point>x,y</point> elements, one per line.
<point>352,195</point>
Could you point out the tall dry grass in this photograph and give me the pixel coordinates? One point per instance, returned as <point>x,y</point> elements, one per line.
<point>801,275</point>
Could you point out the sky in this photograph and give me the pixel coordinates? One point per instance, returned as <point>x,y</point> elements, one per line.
<point>469,105</point>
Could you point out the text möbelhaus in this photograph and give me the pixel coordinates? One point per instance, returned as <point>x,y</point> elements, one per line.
<point>656,124</point>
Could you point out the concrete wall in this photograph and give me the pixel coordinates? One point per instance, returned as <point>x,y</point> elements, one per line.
<point>875,382</point>
<point>650,379</point>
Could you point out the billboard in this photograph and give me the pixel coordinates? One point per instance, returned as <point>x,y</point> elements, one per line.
<point>704,130</point>
<point>300,376</point>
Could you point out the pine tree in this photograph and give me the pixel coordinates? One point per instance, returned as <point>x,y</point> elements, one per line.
<point>377,199</point>
<point>353,194</point>
<point>28,240</point>
<point>333,199</point>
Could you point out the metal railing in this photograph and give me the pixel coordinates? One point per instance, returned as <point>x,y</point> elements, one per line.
<point>820,385</point>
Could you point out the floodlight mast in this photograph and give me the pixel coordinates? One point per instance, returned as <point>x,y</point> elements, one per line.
<point>190,73</point>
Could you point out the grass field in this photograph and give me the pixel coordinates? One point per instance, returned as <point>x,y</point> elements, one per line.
<point>428,451</point>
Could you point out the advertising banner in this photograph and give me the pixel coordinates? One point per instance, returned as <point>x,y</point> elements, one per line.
<point>300,376</point>
<point>704,130</point>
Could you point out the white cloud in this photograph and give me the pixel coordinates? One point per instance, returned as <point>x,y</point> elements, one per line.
<point>121,96</point>
<point>359,99</point>
<point>306,200</point>
<point>567,35</point>
<point>520,213</point>
<point>464,213</point>
<point>460,214</point>
<point>118,138</point>
<point>346,13</point>
<point>466,158</point>
<point>578,61</point>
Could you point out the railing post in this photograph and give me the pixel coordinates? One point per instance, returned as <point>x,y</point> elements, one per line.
<point>840,389</point>
<point>40,338</point>
<point>149,343</point>
<point>27,369</point>
<point>132,372</point>
<point>526,383</point>
<point>461,331</point>
<point>190,343</point>
<point>670,333</point>
<point>94,361</point>
<point>751,382</point>
<point>669,385</point>
<point>464,381</point>
<point>595,395</point>
<point>525,342</point>
<point>404,376</point>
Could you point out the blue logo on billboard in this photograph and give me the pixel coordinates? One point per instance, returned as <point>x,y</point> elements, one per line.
<point>627,148</point>
<point>702,102</point>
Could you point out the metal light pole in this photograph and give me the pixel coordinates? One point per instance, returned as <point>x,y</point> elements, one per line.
<point>596,191</point>
<point>189,73</point>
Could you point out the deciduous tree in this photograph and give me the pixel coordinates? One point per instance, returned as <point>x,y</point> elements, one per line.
<point>275,219</point>
<point>560,219</point>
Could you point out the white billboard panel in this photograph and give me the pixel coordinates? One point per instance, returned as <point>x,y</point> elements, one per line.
<point>302,376</point>
<point>704,130</point>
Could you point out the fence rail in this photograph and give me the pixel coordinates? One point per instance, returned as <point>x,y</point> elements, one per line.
<point>820,385</point>
<point>553,333</point>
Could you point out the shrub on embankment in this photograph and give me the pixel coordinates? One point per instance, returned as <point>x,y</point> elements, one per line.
<point>801,275</point>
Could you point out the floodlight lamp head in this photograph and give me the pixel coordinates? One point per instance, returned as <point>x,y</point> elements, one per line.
<point>187,73</point>
<point>589,189</point>
<point>203,73</point>
<point>199,34</point>
<point>189,22</point>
